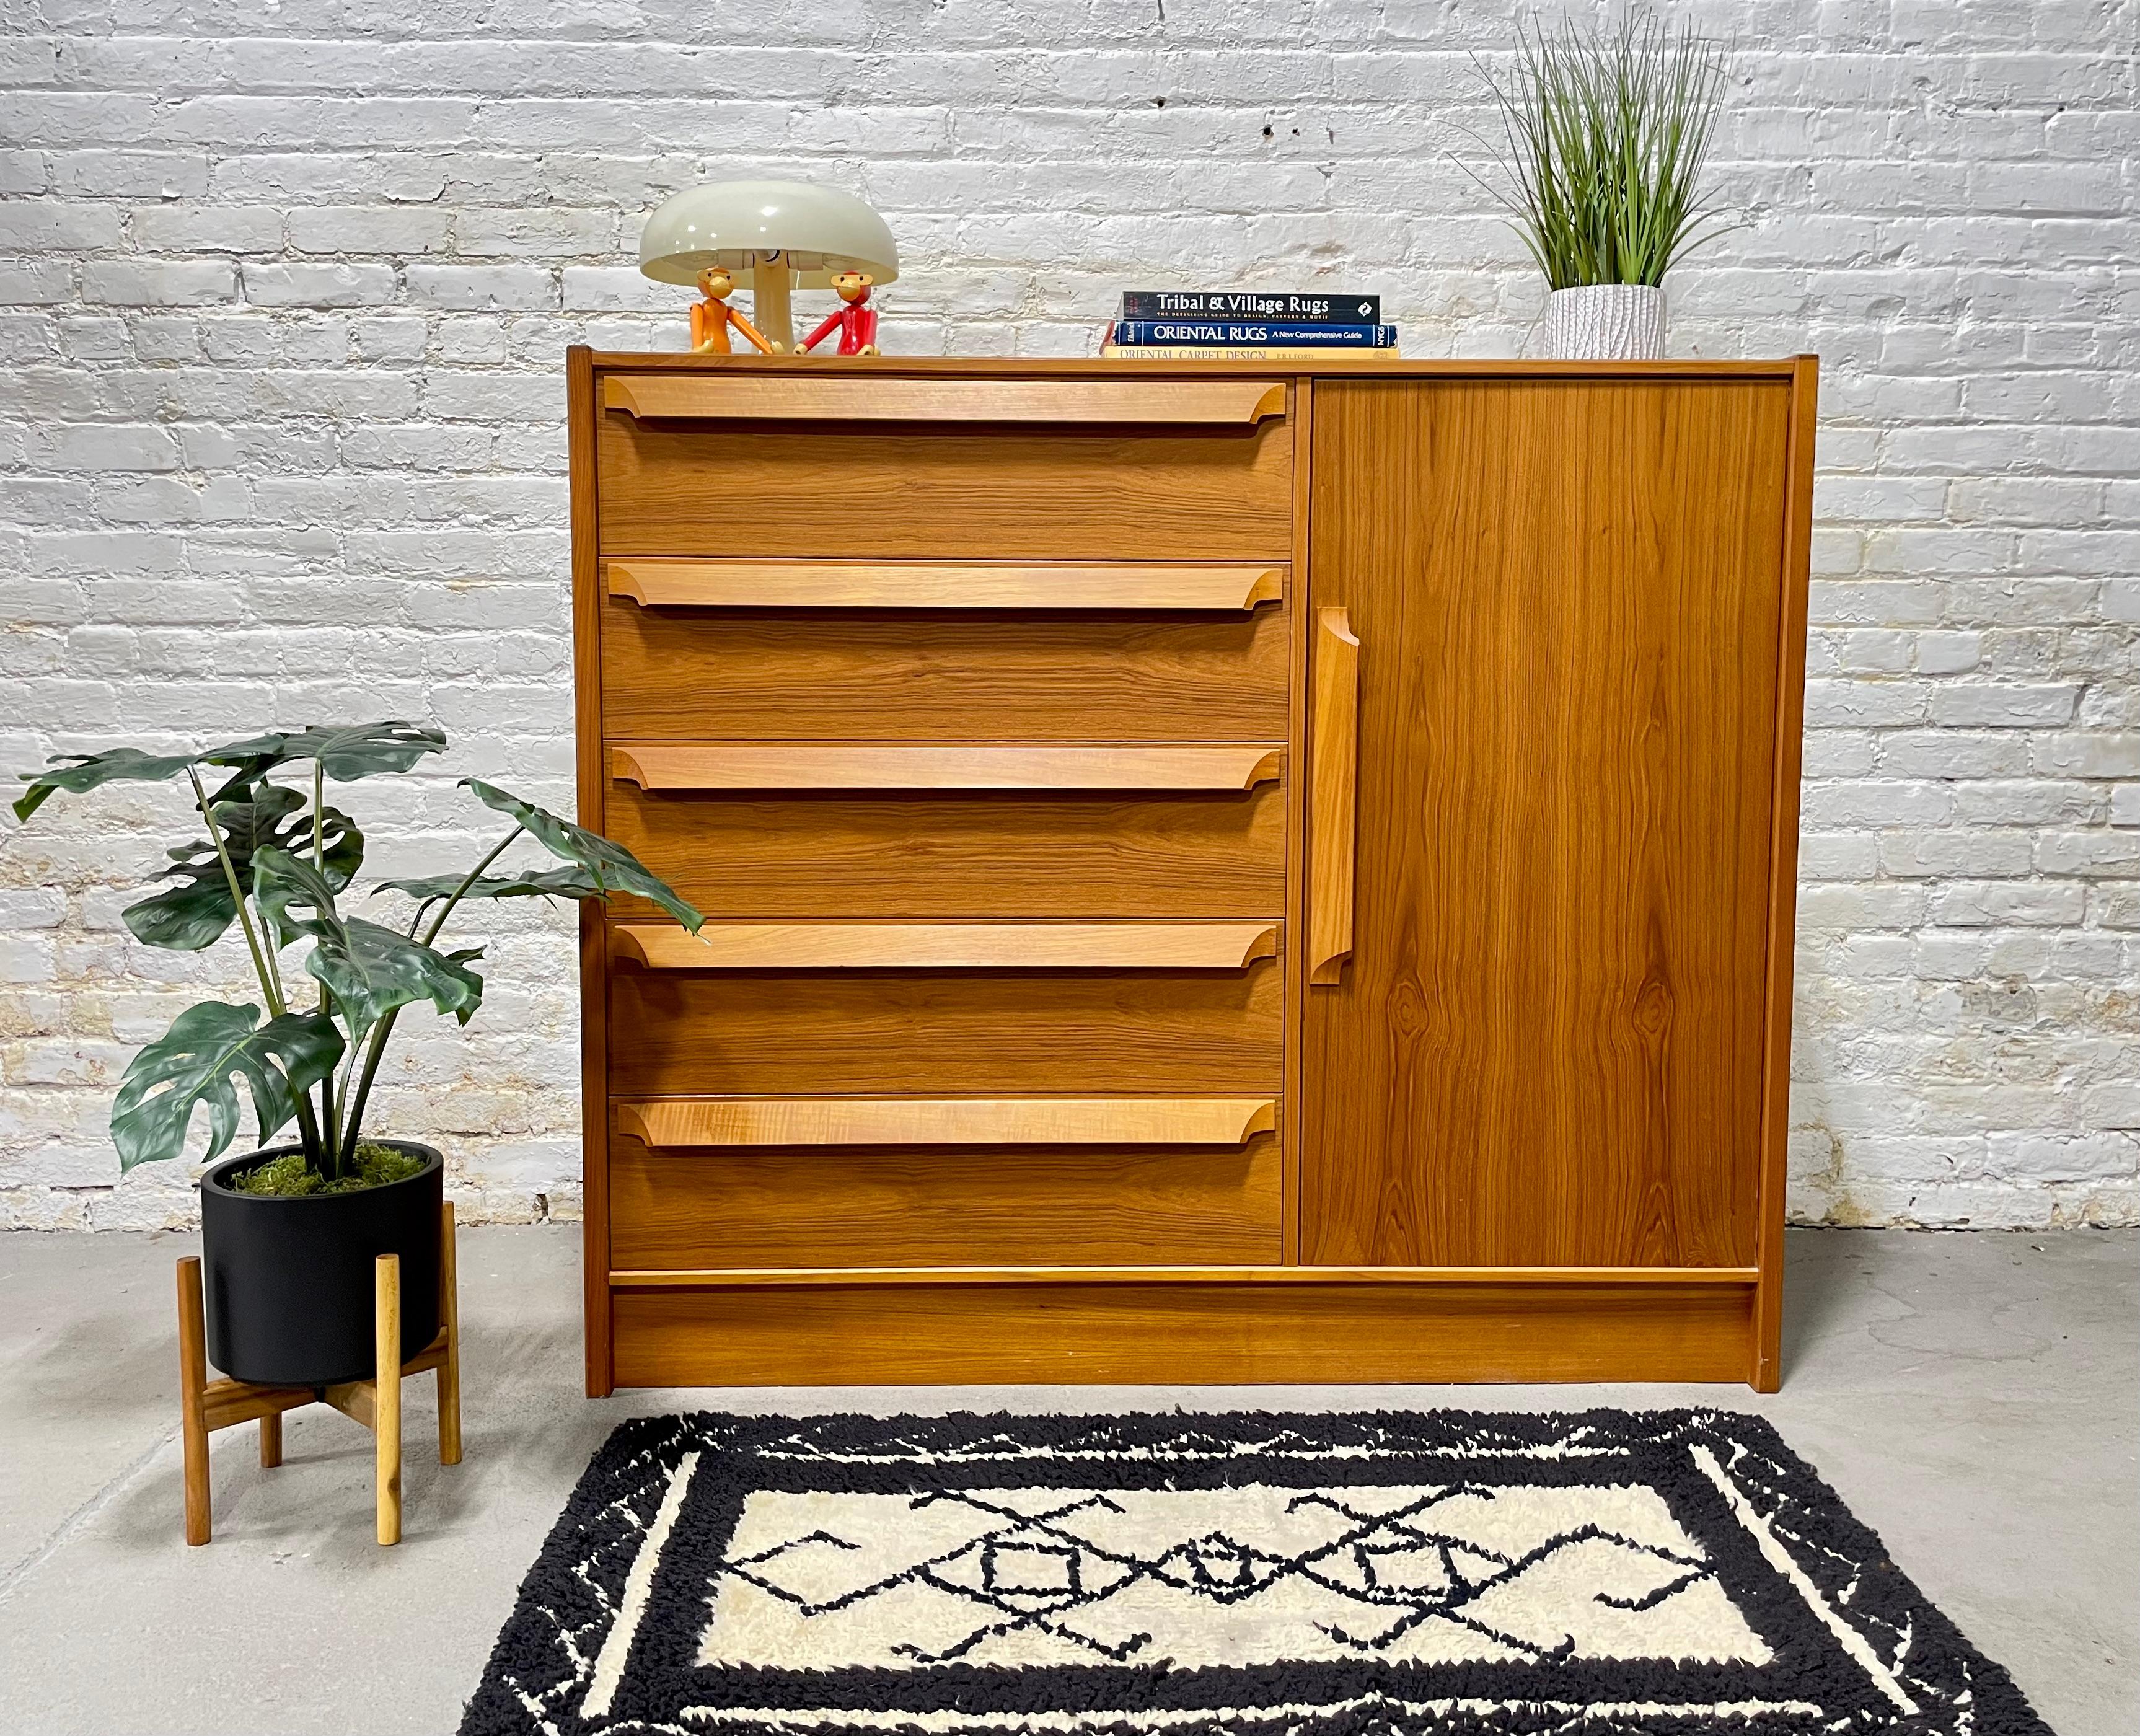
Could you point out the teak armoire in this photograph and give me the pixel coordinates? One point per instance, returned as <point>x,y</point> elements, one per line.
<point>1213,872</point>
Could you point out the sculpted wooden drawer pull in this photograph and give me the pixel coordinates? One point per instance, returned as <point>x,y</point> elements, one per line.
<point>948,1120</point>
<point>953,585</point>
<point>947,945</point>
<point>1333,796</point>
<point>859,766</point>
<point>746,398</point>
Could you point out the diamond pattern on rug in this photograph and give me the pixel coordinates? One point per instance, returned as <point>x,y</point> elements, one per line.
<point>1253,1574</point>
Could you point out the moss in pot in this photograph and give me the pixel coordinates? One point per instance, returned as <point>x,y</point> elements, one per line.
<point>290,1231</point>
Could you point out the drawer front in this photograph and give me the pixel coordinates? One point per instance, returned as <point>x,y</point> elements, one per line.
<point>869,676</point>
<point>674,1210</point>
<point>845,490</point>
<point>978,854</point>
<point>1016,1033</point>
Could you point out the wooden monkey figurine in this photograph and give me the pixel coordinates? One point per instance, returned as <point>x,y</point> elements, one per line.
<point>856,318</point>
<point>711,318</point>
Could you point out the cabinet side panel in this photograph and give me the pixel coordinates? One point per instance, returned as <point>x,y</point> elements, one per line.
<point>1767,1371</point>
<point>593,783</point>
<point>1548,1047</point>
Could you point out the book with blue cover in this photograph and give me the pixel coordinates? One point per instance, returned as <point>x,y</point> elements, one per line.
<point>1290,334</point>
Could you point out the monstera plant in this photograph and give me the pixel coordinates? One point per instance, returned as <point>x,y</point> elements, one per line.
<point>279,864</point>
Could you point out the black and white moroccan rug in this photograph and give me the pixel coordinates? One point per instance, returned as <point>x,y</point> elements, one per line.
<point>1676,1570</point>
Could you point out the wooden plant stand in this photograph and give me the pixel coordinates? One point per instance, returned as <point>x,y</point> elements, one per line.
<point>376,1403</point>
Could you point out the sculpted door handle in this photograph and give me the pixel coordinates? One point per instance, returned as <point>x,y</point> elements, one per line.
<point>1334,758</point>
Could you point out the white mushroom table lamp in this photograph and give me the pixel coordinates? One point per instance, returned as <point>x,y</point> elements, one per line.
<point>783,232</point>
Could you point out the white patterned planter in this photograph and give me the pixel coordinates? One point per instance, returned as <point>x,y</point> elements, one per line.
<point>1606,322</point>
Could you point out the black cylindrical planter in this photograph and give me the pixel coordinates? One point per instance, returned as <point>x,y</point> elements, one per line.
<point>289,1281</point>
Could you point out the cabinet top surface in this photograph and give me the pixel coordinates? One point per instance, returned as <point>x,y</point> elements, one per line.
<point>1348,367</point>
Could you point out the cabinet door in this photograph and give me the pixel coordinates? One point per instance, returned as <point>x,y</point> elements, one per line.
<point>1546,1045</point>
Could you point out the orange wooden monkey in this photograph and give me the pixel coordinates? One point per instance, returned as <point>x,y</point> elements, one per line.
<point>711,318</point>
<point>856,318</point>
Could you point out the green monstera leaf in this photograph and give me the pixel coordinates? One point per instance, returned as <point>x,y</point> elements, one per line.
<point>80,772</point>
<point>189,916</point>
<point>614,868</point>
<point>251,821</point>
<point>194,1063</point>
<point>573,883</point>
<point>284,882</point>
<point>195,913</point>
<point>368,969</point>
<point>371,969</point>
<point>345,753</point>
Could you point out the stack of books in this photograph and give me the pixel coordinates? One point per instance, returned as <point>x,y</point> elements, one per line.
<point>1172,324</point>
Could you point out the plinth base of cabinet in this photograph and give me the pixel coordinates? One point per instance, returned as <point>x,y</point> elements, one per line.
<point>964,1330</point>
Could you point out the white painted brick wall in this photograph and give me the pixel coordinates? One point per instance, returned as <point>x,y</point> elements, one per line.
<point>284,291</point>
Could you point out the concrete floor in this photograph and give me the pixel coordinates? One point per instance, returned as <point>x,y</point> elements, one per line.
<point>1975,1398</point>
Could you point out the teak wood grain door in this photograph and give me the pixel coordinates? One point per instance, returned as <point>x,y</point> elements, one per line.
<point>1546,1046</point>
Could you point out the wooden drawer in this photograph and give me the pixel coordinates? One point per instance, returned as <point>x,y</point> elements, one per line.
<point>870,674</point>
<point>1010,1034</point>
<point>969,854</point>
<point>1080,470</point>
<point>851,1207</point>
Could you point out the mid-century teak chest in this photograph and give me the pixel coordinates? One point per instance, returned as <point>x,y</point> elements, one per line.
<point>1214,872</point>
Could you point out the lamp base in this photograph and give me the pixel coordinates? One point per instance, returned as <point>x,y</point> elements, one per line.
<point>771,308</point>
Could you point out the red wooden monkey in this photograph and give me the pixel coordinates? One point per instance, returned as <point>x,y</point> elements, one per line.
<point>856,318</point>
<point>711,318</point>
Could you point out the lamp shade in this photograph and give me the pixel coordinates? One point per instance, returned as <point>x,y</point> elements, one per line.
<point>819,231</point>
